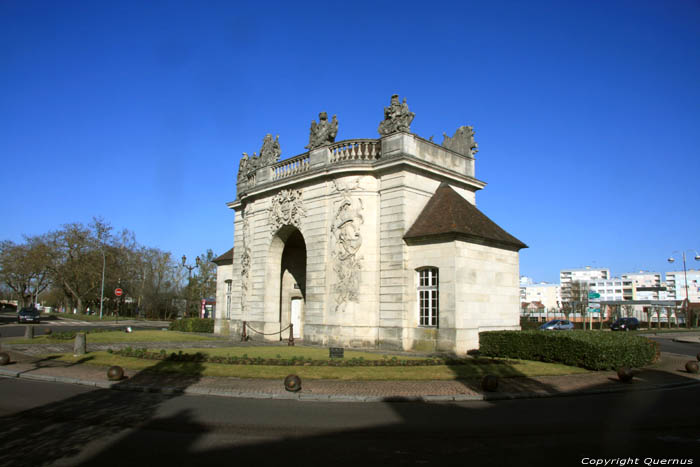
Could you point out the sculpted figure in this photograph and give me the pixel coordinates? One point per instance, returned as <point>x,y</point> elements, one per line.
<point>397,117</point>
<point>243,166</point>
<point>462,141</point>
<point>322,132</point>
<point>270,151</point>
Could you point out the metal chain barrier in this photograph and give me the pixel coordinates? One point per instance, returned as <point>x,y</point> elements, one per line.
<point>245,337</point>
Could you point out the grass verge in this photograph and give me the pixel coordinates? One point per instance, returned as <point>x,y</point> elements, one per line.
<point>480,367</point>
<point>121,337</point>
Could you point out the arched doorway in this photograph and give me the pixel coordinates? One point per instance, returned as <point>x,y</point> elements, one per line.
<point>286,280</point>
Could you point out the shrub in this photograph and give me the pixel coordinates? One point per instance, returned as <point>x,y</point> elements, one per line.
<point>193,325</point>
<point>585,349</point>
<point>70,335</point>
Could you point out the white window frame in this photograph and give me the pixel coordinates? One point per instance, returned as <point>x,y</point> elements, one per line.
<point>428,296</point>
<point>229,287</point>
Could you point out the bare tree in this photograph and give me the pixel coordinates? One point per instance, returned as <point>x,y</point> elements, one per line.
<point>24,268</point>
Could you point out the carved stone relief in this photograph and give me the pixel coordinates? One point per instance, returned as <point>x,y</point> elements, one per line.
<point>397,117</point>
<point>287,209</point>
<point>245,259</point>
<point>346,242</point>
<point>462,142</point>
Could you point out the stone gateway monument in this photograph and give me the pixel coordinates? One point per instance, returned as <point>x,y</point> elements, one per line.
<point>368,243</point>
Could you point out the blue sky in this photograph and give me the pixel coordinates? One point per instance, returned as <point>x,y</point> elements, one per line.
<point>587,114</point>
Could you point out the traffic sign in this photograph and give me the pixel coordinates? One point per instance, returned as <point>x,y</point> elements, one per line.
<point>593,295</point>
<point>118,292</point>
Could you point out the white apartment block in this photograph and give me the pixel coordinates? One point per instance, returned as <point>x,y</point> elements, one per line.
<point>547,294</point>
<point>587,274</point>
<point>611,289</point>
<point>675,281</point>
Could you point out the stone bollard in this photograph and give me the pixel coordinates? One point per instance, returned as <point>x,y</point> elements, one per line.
<point>80,344</point>
<point>292,383</point>
<point>490,383</point>
<point>691,366</point>
<point>4,358</point>
<point>115,373</point>
<point>625,374</point>
<point>29,332</point>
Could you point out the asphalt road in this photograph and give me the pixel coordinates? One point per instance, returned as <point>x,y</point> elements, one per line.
<point>55,424</point>
<point>10,328</point>
<point>682,348</point>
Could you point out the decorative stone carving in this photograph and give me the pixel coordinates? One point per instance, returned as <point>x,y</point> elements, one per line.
<point>270,151</point>
<point>287,209</point>
<point>322,132</point>
<point>462,142</point>
<point>397,117</point>
<point>245,260</point>
<point>347,240</point>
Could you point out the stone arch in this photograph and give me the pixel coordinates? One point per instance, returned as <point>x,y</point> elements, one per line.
<point>285,278</point>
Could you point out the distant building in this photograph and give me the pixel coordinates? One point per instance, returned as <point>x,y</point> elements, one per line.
<point>224,284</point>
<point>568,276</point>
<point>549,295</point>
<point>675,281</point>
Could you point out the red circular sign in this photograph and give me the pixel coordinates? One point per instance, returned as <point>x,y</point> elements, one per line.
<point>118,292</point>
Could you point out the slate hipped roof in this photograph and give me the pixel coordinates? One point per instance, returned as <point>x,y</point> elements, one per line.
<point>226,258</point>
<point>447,214</point>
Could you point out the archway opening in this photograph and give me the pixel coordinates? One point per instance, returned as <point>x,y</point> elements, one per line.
<point>287,277</point>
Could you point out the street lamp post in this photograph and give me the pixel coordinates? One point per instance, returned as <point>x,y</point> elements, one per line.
<point>685,278</point>
<point>102,292</point>
<point>189,276</point>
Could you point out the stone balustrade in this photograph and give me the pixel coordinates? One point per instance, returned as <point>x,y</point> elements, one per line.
<point>355,150</point>
<point>289,167</point>
<point>365,152</point>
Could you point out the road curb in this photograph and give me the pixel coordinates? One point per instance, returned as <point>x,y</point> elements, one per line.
<point>309,397</point>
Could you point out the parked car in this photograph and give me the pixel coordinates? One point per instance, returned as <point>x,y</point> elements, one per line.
<point>558,324</point>
<point>625,324</point>
<point>29,315</point>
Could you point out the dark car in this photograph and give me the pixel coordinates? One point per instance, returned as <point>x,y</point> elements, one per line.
<point>625,324</point>
<point>28,315</point>
<point>558,324</point>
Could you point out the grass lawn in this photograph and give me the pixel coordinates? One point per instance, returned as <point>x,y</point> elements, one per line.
<point>84,317</point>
<point>120,337</point>
<point>480,367</point>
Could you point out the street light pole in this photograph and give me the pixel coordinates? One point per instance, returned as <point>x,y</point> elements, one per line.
<point>685,278</point>
<point>102,293</point>
<point>189,277</point>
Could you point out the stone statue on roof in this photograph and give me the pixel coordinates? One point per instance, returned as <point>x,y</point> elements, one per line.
<point>397,117</point>
<point>462,142</point>
<point>270,151</point>
<point>323,132</point>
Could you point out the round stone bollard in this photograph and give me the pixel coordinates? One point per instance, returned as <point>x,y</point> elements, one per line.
<point>625,374</point>
<point>4,358</point>
<point>691,367</point>
<point>80,344</point>
<point>490,383</point>
<point>292,383</point>
<point>115,373</point>
<point>29,332</point>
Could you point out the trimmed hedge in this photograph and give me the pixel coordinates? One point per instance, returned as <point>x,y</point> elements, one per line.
<point>193,325</point>
<point>586,349</point>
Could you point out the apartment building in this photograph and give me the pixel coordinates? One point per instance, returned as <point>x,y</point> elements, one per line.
<point>675,282</point>
<point>549,295</point>
<point>587,274</point>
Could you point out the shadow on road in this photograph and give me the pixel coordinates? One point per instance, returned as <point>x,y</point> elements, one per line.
<point>55,432</point>
<point>561,431</point>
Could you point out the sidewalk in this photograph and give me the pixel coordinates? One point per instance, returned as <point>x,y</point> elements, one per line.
<point>668,372</point>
